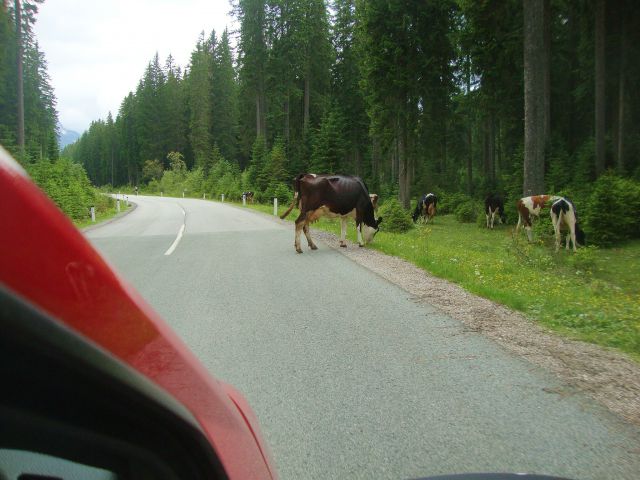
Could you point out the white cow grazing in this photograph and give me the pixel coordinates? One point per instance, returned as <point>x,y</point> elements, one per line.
<point>563,214</point>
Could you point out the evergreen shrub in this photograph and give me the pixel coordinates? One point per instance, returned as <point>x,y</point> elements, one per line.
<point>449,203</point>
<point>466,212</point>
<point>396,218</point>
<point>67,184</point>
<point>612,212</point>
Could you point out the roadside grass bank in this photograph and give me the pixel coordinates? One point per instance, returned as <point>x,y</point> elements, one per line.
<point>102,215</point>
<point>592,295</point>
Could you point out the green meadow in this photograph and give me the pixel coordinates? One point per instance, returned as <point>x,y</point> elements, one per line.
<point>591,295</point>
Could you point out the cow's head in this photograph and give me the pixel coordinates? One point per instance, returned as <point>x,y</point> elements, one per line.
<point>368,232</point>
<point>374,200</point>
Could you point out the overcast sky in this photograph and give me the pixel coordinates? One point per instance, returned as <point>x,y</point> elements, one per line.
<point>97,50</point>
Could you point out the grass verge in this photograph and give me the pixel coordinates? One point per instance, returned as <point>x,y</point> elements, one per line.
<point>102,216</point>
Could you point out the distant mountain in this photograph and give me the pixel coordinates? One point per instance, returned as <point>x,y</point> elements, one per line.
<point>67,136</point>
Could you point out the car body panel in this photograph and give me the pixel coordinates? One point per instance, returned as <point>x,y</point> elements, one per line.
<point>46,260</point>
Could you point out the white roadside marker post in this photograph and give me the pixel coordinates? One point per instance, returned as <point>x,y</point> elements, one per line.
<point>244,200</point>
<point>222,197</point>
<point>275,206</point>
<point>118,205</point>
<point>182,193</point>
<point>162,194</point>
<point>204,196</point>
<point>93,214</point>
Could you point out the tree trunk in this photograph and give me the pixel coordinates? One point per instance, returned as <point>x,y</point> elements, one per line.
<point>546,66</point>
<point>286,119</point>
<point>469,134</point>
<point>307,96</point>
<point>18,15</point>
<point>492,148</point>
<point>621,95</point>
<point>258,116</point>
<point>374,162</point>
<point>403,170</point>
<point>600,86</point>
<point>533,97</point>
<point>443,165</point>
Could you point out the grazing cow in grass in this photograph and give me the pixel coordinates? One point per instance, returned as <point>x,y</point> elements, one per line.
<point>563,214</point>
<point>494,206</point>
<point>248,196</point>
<point>333,196</point>
<point>529,207</point>
<point>426,208</point>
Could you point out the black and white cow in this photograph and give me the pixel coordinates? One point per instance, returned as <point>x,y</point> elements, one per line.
<point>248,196</point>
<point>426,208</point>
<point>563,214</point>
<point>333,196</point>
<point>494,207</point>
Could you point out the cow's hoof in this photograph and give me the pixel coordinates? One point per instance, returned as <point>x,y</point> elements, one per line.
<point>360,245</point>
<point>343,245</point>
<point>313,247</point>
<point>299,250</point>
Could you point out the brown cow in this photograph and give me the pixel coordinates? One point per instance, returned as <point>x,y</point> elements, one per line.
<point>333,196</point>
<point>529,207</point>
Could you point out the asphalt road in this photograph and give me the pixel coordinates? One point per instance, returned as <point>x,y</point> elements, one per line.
<point>349,377</point>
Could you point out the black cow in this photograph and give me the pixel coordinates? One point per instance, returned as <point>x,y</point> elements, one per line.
<point>494,206</point>
<point>341,196</point>
<point>426,208</point>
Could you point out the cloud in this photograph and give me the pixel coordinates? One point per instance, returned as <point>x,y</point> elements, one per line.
<point>97,50</point>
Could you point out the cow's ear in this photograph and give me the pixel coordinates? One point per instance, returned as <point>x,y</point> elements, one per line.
<point>379,221</point>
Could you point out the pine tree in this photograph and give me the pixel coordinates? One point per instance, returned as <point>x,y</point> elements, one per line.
<point>224,101</point>
<point>533,97</point>
<point>252,60</point>
<point>199,103</point>
<point>174,122</point>
<point>149,110</point>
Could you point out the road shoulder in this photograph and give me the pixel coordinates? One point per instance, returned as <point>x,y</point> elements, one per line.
<point>112,219</point>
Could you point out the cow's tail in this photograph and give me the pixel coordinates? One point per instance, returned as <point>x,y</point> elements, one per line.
<point>296,192</point>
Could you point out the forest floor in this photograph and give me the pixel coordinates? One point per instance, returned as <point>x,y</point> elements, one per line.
<point>542,306</point>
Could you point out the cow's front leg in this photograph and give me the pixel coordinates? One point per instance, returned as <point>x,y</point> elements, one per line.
<point>307,234</point>
<point>359,230</point>
<point>343,232</point>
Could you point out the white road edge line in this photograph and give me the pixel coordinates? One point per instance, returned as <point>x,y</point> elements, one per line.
<point>177,240</point>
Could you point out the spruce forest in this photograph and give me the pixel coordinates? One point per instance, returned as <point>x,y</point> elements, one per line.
<point>456,97</point>
<point>411,96</point>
